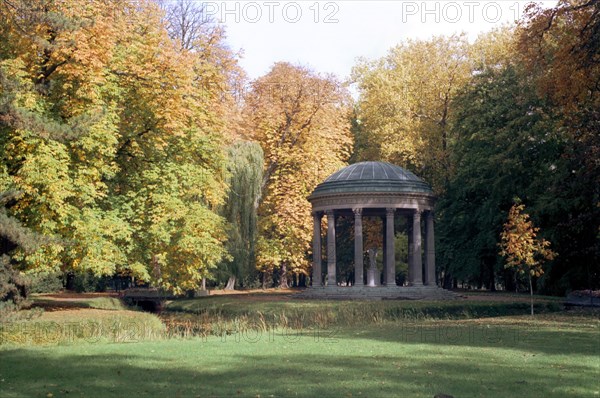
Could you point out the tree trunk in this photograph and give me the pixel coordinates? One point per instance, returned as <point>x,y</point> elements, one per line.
<point>283,282</point>
<point>156,271</point>
<point>302,281</point>
<point>70,283</point>
<point>531,293</point>
<point>230,283</point>
<point>447,284</point>
<point>507,280</point>
<point>492,284</point>
<point>267,279</point>
<point>490,273</point>
<point>203,283</point>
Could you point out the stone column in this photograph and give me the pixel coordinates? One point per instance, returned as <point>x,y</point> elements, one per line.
<point>390,260</point>
<point>416,272</point>
<point>331,260</point>
<point>316,278</point>
<point>409,232</point>
<point>383,254</point>
<point>358,248</point>
<point>429,277</point>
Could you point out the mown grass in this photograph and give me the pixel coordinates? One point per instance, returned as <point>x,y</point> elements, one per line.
<point>550,355</point>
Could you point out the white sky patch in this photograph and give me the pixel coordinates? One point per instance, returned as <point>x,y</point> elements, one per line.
<point>328,36</point>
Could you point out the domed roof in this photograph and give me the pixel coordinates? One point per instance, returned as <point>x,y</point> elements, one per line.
<point>371,177</point>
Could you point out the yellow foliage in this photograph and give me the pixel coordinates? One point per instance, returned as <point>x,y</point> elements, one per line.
<point>405,106</point>
<point>520,244</point>
<point>301,121</point>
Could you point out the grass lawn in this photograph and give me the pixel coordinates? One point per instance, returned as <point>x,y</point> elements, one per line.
<point>552,355</point>
<point>63,301</point>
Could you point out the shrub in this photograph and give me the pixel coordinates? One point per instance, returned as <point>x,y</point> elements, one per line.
<point>50,282</point>
<point>13,288</point>
<point>86,282</point>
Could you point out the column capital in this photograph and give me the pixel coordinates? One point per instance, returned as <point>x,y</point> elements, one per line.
<point>329,213</point>
<point>317,214</point>
<point>390,211</point>
<point>418,213</point>
<point>357,211</point>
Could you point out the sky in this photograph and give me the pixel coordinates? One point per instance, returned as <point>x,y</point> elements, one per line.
<point>329,36</point>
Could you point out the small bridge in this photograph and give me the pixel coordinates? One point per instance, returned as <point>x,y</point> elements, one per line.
<point>148,299</point>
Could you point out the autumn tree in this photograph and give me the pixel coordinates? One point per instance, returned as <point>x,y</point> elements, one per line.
<point>219,80</point>
<point>108,136</point>
<point>187,22</point>
<point>172,164</point>
<point>521,246</point>
<point>404,112</point>
<point>301,121</point>
<point>404,104</point>
<point>59,134</point>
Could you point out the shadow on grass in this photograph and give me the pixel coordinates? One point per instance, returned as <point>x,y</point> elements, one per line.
<point>183,369</point>
<point>58,305</point>
<point>529,338</point>
<point>557,339</point>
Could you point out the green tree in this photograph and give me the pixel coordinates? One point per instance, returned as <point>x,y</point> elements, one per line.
<point>559,47</point>
<point>245,178</point>
<point>506,145</point>
<point>13,286</point>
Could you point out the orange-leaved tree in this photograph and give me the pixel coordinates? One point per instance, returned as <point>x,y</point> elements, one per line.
<point>521,246</point>
<point>301,120</point>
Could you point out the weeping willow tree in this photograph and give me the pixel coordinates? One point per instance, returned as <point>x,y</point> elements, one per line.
<point>246,173</point>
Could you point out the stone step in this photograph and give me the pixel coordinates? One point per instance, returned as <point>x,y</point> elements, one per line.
<point>378,293</point>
